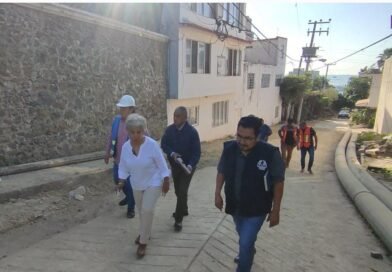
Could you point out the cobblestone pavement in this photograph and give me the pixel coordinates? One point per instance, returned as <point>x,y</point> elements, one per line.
<point>320,230</point>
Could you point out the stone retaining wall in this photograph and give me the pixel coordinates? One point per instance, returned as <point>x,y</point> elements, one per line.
<point>60,78</point>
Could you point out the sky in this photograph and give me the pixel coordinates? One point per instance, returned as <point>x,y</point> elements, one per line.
<point>353,26</point>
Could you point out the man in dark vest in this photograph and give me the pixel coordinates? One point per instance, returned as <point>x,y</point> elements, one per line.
<point>253,174</point>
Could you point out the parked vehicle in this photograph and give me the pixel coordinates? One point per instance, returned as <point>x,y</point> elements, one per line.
<point>344,114</point>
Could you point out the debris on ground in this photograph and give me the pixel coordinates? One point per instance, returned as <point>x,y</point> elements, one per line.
<point>376,255</point>
<point>78,193</point>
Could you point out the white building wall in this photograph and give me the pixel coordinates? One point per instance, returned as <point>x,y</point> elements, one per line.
<point>374,91</point>
<point>205,128</point>
<point>261,102</point>
<point>198,85</point>
<point>383,122</point>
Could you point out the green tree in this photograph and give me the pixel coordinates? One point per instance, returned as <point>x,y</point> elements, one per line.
<point>342,102</point>
<point>291,90</point>
<point>382,57</point>
<point>318,83</point>
<point>357,88</point>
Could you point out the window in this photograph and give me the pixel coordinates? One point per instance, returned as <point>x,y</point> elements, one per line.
<point>265,80</point>
<point>220,112</point>
<point>230,64</point>
<point>276,111</point>
<point>197,57</point>
<point>251,81</point>
<point>231,14</point>
<point>278,80</point>
<point>193,115</point>
<point>202,9</point>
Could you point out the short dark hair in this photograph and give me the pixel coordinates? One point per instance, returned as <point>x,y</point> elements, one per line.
<point>250,122</point>
<point>182,110</point>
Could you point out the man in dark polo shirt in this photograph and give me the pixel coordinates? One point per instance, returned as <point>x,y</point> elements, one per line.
<point>181,144</point>
<point>253,175</point>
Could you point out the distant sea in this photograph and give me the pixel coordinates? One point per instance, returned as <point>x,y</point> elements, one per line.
<point>339,81</point>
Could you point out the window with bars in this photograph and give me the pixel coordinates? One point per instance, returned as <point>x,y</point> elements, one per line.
<point>251,81</point>
<point>193,115</point>
<point>265,80</point>
<point>197,57</point>
<point>220,113</point>
<point>278,80</point>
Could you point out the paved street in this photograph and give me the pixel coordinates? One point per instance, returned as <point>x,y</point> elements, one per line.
<point>320,230</point>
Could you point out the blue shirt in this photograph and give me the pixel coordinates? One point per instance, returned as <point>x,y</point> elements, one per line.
<point>264,132</point>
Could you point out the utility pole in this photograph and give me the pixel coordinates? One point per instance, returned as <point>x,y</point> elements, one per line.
<point>310,52</point>
<point>326,74</point>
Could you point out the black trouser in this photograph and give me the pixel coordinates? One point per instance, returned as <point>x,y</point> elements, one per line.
<point>304,150</point>
<point>181,185</point>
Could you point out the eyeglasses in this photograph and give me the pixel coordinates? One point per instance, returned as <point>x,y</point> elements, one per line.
<point>245,139</point>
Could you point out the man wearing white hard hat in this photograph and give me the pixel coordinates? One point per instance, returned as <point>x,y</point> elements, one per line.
<point>118,135</point>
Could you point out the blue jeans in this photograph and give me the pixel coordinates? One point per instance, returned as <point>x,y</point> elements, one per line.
<point>127,189</point>
<point>311,157</point>
<point>247,229</point>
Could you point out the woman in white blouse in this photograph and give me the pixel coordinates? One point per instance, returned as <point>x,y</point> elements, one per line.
<point>142,160</point>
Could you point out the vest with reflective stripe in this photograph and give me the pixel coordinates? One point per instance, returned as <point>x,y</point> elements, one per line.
<point>304,137</point>
<point>284,131</point>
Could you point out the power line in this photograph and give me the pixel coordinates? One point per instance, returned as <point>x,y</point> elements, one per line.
<point>356,52</point>
<point>249,31</point>
<point>262,34</point>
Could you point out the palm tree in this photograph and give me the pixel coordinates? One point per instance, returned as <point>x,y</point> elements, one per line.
<point>382,57</point>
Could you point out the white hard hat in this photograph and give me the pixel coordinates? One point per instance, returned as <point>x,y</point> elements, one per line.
<point>126,101</point>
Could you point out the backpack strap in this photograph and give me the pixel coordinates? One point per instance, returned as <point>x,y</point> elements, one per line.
<point>115,126</point>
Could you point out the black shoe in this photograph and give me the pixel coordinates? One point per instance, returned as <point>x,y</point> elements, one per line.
<point>237,258</point>
<point>123,202</point>
<point>131,214</point>
<point>185,214</point>
<point>178,226</point>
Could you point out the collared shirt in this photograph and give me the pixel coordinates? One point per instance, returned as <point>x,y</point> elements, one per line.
<point>122,137</point>
<point>146,169</point>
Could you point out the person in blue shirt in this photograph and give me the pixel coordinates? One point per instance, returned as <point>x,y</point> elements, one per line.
<point>181,144</point>
<point>264,132</point>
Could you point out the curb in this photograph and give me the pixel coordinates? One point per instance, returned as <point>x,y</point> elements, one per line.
<point>376,188</point>
<point>68,183</point>
<point>374,211</point>
<point>34,166</point>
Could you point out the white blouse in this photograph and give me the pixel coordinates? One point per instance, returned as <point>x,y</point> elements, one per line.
<point>147,169</point>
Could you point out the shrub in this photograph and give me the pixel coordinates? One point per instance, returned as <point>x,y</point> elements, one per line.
<point>364,116</point>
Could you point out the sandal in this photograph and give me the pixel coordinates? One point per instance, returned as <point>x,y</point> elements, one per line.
<point>141,251</point>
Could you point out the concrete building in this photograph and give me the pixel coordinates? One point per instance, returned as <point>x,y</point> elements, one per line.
<point>374,92</point>
<point>264,69</point>
<point>205,74</point>
<point>383,122</point>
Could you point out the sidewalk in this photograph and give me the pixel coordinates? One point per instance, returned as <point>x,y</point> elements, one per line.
<point>320,230</point>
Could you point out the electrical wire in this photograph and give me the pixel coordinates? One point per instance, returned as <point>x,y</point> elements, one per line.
<point>356,52</point>
<point>262,34</point>
<point>255,27</point>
